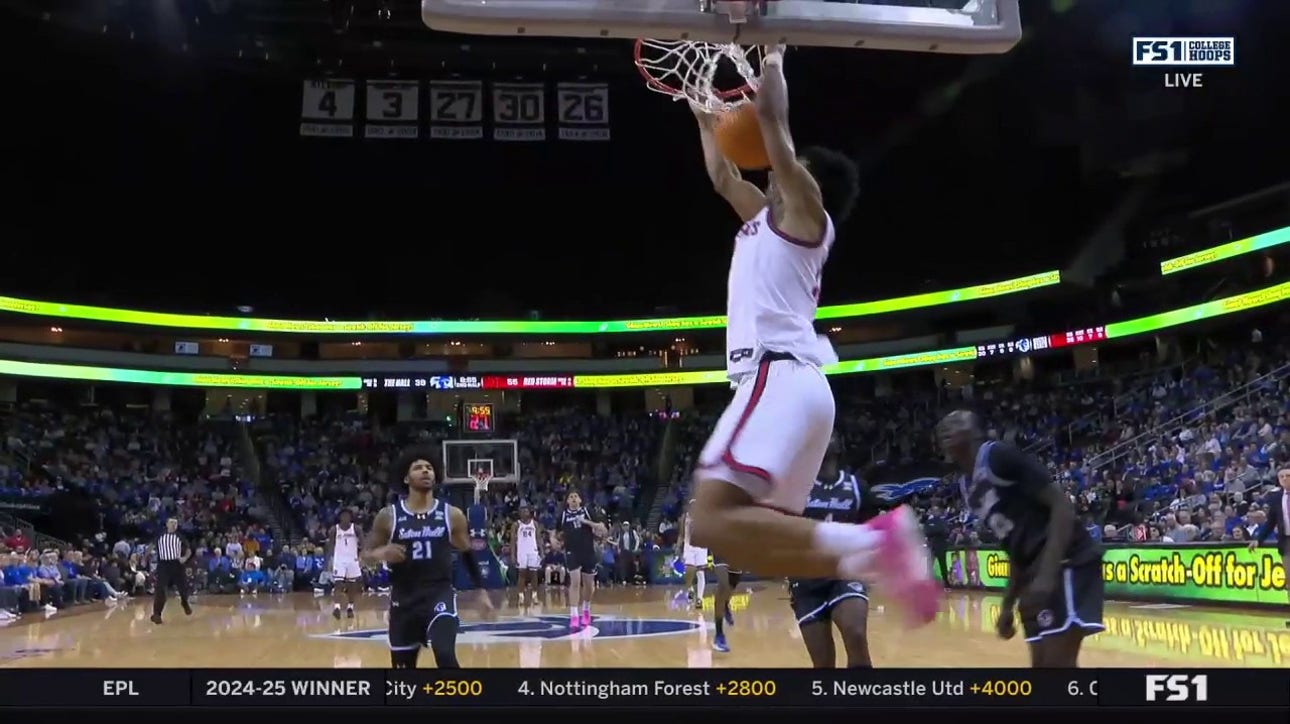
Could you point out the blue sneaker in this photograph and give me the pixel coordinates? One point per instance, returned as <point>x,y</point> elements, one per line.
<point>719,644</point>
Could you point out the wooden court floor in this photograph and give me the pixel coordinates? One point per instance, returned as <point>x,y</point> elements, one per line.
<point>635,627</point>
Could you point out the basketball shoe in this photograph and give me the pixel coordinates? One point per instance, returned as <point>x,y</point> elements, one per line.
<point>902,563</point>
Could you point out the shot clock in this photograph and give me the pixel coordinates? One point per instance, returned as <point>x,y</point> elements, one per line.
<point>477,417</point>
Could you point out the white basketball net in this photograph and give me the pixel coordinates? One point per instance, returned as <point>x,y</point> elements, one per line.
<point>702,73</point>
<point>482,478</point>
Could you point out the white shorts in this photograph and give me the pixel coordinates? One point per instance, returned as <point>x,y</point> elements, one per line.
<point>772,437</point>
<point>346,571</point>
<point>695,556</point>
<point>528,560</point>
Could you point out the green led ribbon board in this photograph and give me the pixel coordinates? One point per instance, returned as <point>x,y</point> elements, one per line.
<point>1225,251</point>
<point>1116,330</point>
<point>112,315</point>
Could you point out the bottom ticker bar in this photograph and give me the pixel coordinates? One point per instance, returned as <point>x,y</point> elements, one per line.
<point>653,688</point>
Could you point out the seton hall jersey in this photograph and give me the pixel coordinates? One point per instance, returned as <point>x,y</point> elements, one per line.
<point>843,500</point>
<point>772,295</point>
<point>1004,496</point>
<point>427,542</point>
<point>576,527</point>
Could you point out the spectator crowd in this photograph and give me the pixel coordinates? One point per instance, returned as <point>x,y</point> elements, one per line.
<point>1178,452</point>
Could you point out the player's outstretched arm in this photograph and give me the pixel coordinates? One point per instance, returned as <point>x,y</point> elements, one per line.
<point>745,198</point>
<point>804,215</point>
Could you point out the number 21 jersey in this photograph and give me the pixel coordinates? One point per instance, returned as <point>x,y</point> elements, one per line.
<point>427,545</point>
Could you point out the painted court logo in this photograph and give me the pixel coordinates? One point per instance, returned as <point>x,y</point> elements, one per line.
<point>542,628</point>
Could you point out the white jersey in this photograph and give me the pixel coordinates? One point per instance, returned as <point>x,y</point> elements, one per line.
<point>526,537</point>
<point>772,295</point>
<point>346,544</point>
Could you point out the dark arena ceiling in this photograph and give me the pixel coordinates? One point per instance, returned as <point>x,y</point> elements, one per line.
<point>153,159</point>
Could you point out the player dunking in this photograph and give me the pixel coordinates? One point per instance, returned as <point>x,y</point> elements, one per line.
<point>415,538</point>
<point>525,534</point>
<point>756,470</point>
<point>346,573</point>
<point>821,604</point>
<point>695,560</point>
<point>578,532</point>
<point>1055,568</point>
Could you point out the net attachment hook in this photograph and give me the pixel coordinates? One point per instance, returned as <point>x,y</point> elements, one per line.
<point>737,11</point>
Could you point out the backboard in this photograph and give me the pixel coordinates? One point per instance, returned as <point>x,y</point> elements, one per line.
<point>962,26</point>
<point>462,459</point>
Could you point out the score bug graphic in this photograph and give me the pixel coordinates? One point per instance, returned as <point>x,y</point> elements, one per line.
<point>1173,52</point>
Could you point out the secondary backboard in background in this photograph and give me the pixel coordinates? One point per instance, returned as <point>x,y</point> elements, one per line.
<point>976,27</point>
<point>462,459</point>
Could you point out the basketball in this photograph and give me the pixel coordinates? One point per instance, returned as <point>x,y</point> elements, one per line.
<point>739,138</point>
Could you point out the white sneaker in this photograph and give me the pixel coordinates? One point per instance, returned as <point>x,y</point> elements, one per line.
<point>50,610</point>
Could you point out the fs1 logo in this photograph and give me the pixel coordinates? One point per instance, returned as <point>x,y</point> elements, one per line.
<point>1178,687</point>
<point>1184,52</point>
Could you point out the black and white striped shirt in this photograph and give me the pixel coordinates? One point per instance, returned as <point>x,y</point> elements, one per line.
<point>170,547</point>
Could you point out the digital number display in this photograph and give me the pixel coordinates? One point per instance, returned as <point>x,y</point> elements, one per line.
<point>1027,345</point>
<point>478,416</point>
<point>470,382</point>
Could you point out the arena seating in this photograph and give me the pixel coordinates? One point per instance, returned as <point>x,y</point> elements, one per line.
<point>1177,452</point>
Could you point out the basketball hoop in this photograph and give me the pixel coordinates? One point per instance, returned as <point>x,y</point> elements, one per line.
<point>715,77</point>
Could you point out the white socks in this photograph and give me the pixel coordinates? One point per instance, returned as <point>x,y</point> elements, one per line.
<point>699,581</point>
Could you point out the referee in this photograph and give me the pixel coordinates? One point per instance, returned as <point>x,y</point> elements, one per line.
<point>172,554</point>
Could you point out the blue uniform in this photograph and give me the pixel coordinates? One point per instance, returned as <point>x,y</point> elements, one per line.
<point>844,500</point>
<point>1005,497</point>
<point>421,585</point>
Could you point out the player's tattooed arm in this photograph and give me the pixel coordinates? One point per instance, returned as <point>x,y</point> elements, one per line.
<point>378,547</point>
<point>804,209</point>
<point>744,197</point>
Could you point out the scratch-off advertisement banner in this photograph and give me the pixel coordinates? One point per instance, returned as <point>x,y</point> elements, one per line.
<point>1194,574</point>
